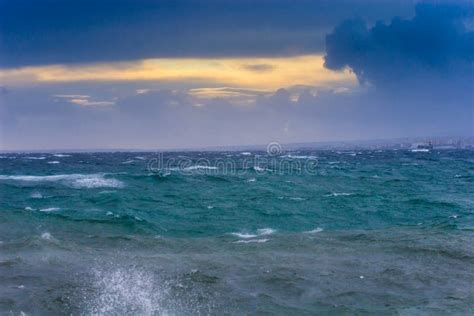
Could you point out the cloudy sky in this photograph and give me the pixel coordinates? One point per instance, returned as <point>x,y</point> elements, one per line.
<point>146,74</point>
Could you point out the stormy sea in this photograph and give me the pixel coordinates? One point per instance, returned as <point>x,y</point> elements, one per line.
<point>383,232</point>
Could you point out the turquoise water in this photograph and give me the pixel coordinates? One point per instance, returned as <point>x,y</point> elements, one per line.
<point>368,232</point>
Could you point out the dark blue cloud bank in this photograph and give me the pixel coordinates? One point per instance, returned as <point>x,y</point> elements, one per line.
<point>436,42</point>
<point>37,32</point>
<point>419,71</point>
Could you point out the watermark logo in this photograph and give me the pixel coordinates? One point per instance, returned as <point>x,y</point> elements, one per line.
<point>274,149</point>
<point>272,161</point>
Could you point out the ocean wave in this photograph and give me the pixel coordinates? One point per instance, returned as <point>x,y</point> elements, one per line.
<point>296,198</point>
<point>199,167</point>
<point>299,157</point>
<point>46,236</point>
<point>61,155</point>
<point>36,195</point>
<point>244,235</point>
<point>53,162</point>
<point>35,158</point>
<point>259,232</point>
<point>314,231</point>
<point>50,209</point>
<point>251,241</point>
<point>339,194</point>
<point>74,180</point>
<point>265,231</point>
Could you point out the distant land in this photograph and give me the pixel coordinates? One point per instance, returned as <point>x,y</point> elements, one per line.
<point>447,142</point>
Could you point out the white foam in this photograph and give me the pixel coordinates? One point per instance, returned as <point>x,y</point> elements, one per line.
<point>265,231</point>
<point>61,155</point>
<point>314,231</point>
<point>244,235</point>
<point>252,180</point>
<point>35,158</point>
<point>420,150</point>
<point>29,208</point>
<point>339,194</point>
<point>53,162</point>
<point>198,167</point>
<point>299,157</point>
<point>258,169</point>
<point>139,157</point>
<point>251,241</point>
<point>297,198</point>
<point>46,236</point>
<point>74,180</point>
<point>50,209</point>
<point>36,195</point>
<point>245,153</point>
<point>128,162</point>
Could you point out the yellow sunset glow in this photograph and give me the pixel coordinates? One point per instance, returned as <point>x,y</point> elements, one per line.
<point>255,73</point>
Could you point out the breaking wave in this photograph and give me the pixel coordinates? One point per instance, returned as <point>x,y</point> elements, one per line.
<point>73,180</point>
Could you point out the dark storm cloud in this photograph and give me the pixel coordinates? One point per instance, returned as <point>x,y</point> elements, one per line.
<point>434,45</point>
<point>34,32</point>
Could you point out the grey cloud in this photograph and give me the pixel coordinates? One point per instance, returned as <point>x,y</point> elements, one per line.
<point>259,67</point>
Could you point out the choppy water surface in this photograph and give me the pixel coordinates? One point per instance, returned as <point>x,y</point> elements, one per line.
<point>380,232</point>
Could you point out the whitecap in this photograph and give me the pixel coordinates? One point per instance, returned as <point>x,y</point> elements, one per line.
<point>53,162</point>
<point>299,157</point>
<point>198,167</point>
<point>265,231</point>
<point>339,194</point>
<point>61,155</point>
<point>36,195</point>
<point>251,241</point>
<point>35,158</point>
<point>139,157</point>
<point>297,198</point>
<point>128,162</point>
<point>252,180</point>
<point>314,231</point>
<point>245,153</point>
<point>50,209</point>
<point>29,208</point>
<point>258,169</point>
<point>46,236</point>
<point>74,180</point>
<point>244,235</point>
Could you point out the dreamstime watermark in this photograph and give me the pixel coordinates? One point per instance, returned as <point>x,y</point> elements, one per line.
<point>272,161</point>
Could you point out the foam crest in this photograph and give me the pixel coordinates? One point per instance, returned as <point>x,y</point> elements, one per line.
<point>74,180</point>
<point>314,231</point>
<point>251,241</point>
